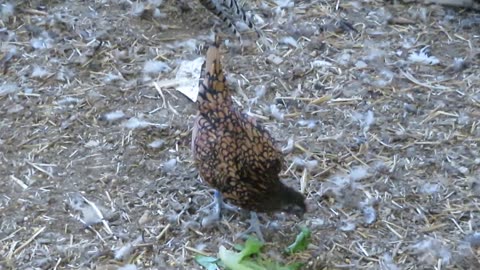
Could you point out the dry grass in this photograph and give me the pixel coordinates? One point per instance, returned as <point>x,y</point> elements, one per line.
<point>386,149</point>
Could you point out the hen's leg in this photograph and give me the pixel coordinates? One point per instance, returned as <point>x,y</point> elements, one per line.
<point>216,210</point>
<point>255,227</point>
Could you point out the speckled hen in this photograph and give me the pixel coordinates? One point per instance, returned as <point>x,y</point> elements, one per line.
<point>236,155</point>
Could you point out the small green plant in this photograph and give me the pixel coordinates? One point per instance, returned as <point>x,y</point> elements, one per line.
<point>249,256</point>
<point>301,242</point>
<point>210,263</point>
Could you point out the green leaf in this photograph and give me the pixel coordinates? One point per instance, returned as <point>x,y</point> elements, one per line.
<point>276,266</point>
<point>243,259</point>
<point>301,242</point>
<point>252,246</point>
<point>210,263</point>
<point>240,260</point>
<point>231,259</point>
<point>238,247</point>
<point>293,266</point>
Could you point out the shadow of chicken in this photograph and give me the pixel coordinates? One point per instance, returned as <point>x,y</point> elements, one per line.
<point>236,155</point>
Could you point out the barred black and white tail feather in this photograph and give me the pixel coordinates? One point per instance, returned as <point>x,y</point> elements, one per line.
<point>229,11</point>
<point>218,11</point>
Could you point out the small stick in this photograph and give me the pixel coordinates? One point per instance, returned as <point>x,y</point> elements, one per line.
<point>415,81</point>
<point>39,169</point>
<point>160,92</point>
<point>19,182</point>
<point>197,251</point>
<point>35,234</point>
<point>99,213</point>
<point>11,235</point>
<point>163,232</point>
<point>35,12</point>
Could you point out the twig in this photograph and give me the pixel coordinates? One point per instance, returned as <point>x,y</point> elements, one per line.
<point>11,235</point>
<point>163,232</point>
<point>35,234</point>
<point>417,82</point>
<point>39,169</point>
<point>99,213</point>
<point>197,251</point>
<point>160,92</point>
<point>355,253</point>
<point>19,182</point>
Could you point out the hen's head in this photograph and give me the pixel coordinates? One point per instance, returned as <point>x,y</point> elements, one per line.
<point>294,203</point>
<point>285,199</point>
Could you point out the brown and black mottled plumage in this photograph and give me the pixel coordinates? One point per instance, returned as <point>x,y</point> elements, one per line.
<point>233,153</point>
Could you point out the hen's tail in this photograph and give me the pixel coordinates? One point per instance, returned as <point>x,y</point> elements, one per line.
<point>213,93</point>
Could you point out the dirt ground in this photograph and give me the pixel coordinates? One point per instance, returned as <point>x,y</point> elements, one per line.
<point>376,104</point>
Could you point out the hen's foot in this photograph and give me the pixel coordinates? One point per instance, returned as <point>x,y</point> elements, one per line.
<point>255,227</point>
<point>215,210</point>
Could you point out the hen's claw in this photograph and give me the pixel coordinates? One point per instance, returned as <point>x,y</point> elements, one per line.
<point>218,204</point>
<point>255,227</point>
